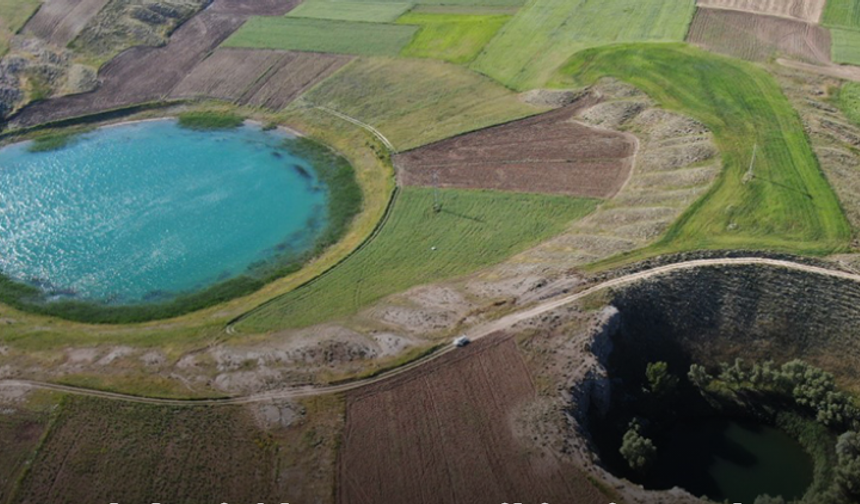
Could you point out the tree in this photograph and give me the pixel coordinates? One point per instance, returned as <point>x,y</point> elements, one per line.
<point>848,465</point>
<point>637,450</point>
<point>661,383</point>
<point>699,376</point>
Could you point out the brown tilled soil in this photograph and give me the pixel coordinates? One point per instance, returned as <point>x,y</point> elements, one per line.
<point>259,77</point>
<point>59,21</point>
<point>806,10</point>
<point>445,434</point>
<point>144,74</point>
<point>548,153</point>
<point>757,37</point>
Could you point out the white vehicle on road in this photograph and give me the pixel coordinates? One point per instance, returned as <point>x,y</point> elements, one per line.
<point>461,341</point>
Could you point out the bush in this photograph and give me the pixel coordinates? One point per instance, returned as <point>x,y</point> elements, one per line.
<point>848,466</point>
<point>637,450</point>
<point>206,120</point>
<point>661,383</point>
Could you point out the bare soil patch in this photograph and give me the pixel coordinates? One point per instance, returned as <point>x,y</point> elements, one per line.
<point>259,77</point>
<point>757,37</point>
<point>445,433</point>
<point>547,153</point>
<point>806,10</point>
<point>60,21</point>
<point>144,74</point>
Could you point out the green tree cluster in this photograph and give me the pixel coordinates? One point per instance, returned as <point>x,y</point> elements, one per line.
<point>637,450</point>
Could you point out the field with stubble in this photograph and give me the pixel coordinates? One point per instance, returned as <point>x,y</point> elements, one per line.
<point>444,434</point>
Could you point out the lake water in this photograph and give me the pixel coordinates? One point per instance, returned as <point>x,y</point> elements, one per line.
<point>733,460</point>
<point>143,211</point>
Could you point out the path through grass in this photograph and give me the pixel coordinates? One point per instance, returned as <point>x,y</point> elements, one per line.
<point>787,204</point>
<point>474,229</point>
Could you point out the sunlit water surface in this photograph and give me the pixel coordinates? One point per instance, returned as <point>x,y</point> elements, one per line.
<point>144,211</point>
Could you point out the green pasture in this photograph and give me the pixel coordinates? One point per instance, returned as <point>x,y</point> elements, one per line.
<point>463,3</point>
<point>415,102</point>
<point>474,229</point>
<point>451,37</point>
<point>849,101</point>
<point>13,15</point>
<point>322,35</point>
<point>842,13</point>
<point>786,204</point>
<point>545,33</point>
<point>846,46</point>
<point>373,12</point>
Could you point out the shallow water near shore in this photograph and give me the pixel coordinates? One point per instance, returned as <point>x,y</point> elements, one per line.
<point>142,212</point>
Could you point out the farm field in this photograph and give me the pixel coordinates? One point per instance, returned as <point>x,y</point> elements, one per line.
<point>758,38</point>
<point>457,38</point>
<point>20,432</point>
<point>786,204</point>
<point>846,46</point>
<point>543,154</point>
<point>473,230</point>
<point>371,12</point>
<point>104,451</point>
<point>849,101</point>
<point>842,13</point>
<point>303,34</point>
<point>542,35</point>
<point>415,102</point>
<point>805,10</point>
<point>444,433</point>
<point>258,77</point>
<point>13,15</point>
<point>60,21</point>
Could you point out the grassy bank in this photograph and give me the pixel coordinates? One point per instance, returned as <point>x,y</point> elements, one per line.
<point>210,120</point>
<point>783,202</point>
<point>417,245</point>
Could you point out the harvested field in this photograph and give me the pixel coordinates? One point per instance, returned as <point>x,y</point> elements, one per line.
<point>805,10</point>
<point>757,38</point>
<point>60,21</point>
<point>257,77</point>
<point>144,74</point>
<point>548,153</point>
<point>322,35</point>
<point>445,434</point>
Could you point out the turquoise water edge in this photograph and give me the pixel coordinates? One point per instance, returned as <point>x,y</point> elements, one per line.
<point>144,212</point>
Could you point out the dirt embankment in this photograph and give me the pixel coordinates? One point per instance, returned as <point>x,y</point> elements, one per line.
<point>548,153</point>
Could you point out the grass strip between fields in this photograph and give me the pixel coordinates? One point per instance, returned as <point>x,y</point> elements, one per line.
<point>475,229</point>
<point>457,38</point>
<point>322,35</point>
<point>783,202</point>
<point>356,10</point>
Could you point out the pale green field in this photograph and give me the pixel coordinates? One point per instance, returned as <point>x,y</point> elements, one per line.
<point>842,13</point>
<point>474,229</point>
<point>846,46</point>
<point>322,35</point>
<point>373,12</point>
<point>451,37</point>
<point>545,33</point>
<point>415,102</point>
<point>13,15</point>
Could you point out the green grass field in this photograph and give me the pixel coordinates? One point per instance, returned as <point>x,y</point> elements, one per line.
<point>545,33</point>
<point>415,102</point>
<point>474,229</point>
<point>787,204</point>
<point>322,35</point>
<point>451,37</point>
<point>846,46</point>
<point>849,101</point>
<point>374,12</point>
<point>13,15</point>
<point>842,13</point>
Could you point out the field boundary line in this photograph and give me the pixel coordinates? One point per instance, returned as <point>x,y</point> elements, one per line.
<point>479,332</point>
<point>375,132</point>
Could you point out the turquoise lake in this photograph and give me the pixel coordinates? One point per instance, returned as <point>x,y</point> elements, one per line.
<point>141,212</point>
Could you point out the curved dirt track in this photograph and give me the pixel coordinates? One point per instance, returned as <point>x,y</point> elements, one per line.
<point>482,331</point>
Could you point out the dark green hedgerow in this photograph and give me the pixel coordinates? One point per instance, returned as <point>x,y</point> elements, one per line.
<point>209,120</point>
<point>345,200</point>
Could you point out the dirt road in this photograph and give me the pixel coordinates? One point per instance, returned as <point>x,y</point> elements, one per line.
<point>476,333</point>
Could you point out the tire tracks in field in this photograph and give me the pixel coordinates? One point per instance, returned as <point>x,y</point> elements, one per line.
<point>476,333</point>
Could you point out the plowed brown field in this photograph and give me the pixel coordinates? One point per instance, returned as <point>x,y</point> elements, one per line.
<point>547,153</point>
<point>258,77</point>
<point>443,434</point>
<point>59,21</point>
<point>805,10</point>
<point>757,37</point>
<point>144,74</point>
